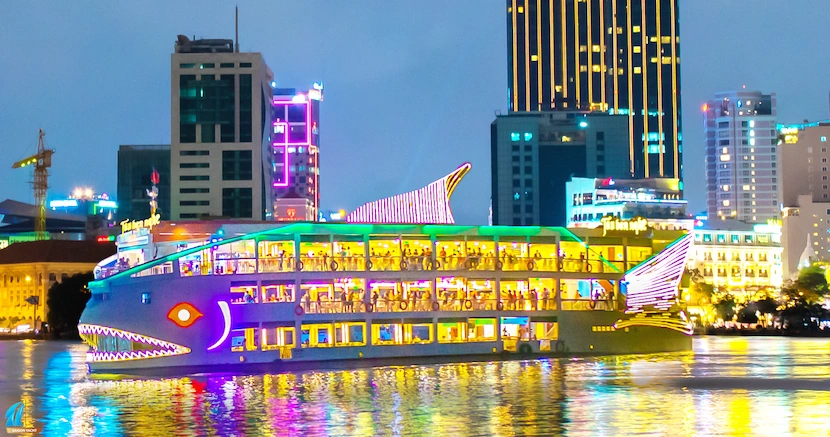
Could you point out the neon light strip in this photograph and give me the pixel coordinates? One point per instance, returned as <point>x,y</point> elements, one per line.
<point>430,204</point>
<point>226,315</point>
<point>662,321</point>
<point>166,348</point>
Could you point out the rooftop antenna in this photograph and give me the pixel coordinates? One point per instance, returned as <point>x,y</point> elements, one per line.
<point>236,26</point>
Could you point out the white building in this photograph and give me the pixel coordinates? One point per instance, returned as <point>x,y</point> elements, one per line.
<point>741,156</point>
<point>220,161</point>
<point>657,200</point>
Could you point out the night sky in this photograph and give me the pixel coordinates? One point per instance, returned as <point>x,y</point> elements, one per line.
<point>410,87</point>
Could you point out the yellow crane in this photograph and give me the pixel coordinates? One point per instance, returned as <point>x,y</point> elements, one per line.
<point>42,160</point>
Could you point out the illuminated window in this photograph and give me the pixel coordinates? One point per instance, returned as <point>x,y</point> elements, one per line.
<point>244,339</point>
<point>350,334</point>
<point>666,60</point>
<point>595,48</point>
<point>521,9</point>
<point>654,60</point>
<point>452,332</point>
<point>635,29</point>
<point>534,58</point>
<point>146,298</point>
<point>515,136</point>
<point>596,68</point>
<point>637,49</point>
<point>665,39</point>
<point>653,39</point>
<point>401,333</point>
<point>583,68</point>
<point>481,330</point>
<point>823,139</point>
<point>316,335</point>
<point>583,49</point>
<point>276,338</point>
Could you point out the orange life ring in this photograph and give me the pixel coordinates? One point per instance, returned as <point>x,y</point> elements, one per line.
<point>403,265</point>
<point>334,266</point>
<point>403,305</point>
<point>369,265</point>
<point>369,307</point>
<point>500,306</point>
<point>300,266</point>
<point>468,304</point>
<point>298,310</point>
<point>530,265</point>
<point>499,265</point>
<point>588,267</point>
<point>437,265</point>
<point>436,306</point>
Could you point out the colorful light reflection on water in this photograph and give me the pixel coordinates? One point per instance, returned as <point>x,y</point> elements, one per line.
<point>611,396</point>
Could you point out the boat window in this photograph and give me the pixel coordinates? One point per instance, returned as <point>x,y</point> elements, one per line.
<point>276,256</point>
<point>515,328</point>
<point>452,294</point>
<point>277,292</point>
<point>276,338</point>
<point>244,339</point>
<point>543,254</point>
<point>451,254</point>
<point>545,296</point>
<point>481,329</point>
<point>515,296</point>
<point>401,333</point>
<point>316,335</point>
<point>234,258</point>
<point>416,254</point>
<point>544,331</point>
<point>385,254</point>
<point>244,293</point>
<point>350,334</point>
<point>452,332</point>
<point>348,253</point>
<point>315,256</point>
<point>317,297</point>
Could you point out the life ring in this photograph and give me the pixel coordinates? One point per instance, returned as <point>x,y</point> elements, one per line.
<point>500,306</point>
<point>298,310</point>
<point>369,307</point>
<point>588,267</point>
<point>525,349</point>
<point>499,265</point>
<point>300,266</point>
<point>436,306</point>
<point>334,266</point>
<point>468,304</point>
<point>437,265</point>
<point>559,346</point>
<point>530,265</point>
<point>592,303</point>
<point>403,265</point>
<point>561,266</point>
<point>369,265</point>
<point>403,305</point>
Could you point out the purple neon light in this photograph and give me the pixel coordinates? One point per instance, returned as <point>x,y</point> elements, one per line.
<point>430,204</point>
<point>226,317</point>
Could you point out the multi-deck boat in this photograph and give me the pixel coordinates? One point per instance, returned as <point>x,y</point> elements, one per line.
<point>196,297</point>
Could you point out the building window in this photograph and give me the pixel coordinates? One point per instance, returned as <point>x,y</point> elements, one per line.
<point>237,202</point>
<point>194,165</point>
<point>146,298</point>
<point>823,139</point>
<point>528,136</point>
<point>203,66</point>
<point>528,169</point>
<point>194,152</point>
<point>515,170</point>
<point>244,65</point>
<point>194,190</point>
<point>194,178</point>
<point>237,165</point>
<point>245,109</point>
<point>194,203</point>
<point>187,65</point>
<point>226,65</point>
<point>515,136</point>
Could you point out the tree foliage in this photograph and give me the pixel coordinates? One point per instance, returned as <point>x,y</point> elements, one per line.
<point>66,301</point>
<point>725,307</point>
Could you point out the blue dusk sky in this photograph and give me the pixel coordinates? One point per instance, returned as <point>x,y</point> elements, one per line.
<point>410,87</point>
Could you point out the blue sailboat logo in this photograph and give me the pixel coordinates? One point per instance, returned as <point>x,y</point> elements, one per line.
<point>14,415</point>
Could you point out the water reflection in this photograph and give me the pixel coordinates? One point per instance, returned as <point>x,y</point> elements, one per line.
<point>622,395</point>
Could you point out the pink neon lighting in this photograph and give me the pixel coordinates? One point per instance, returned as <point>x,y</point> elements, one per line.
<point>226,317</point>
<point>430,204</point>
<point>162,348</point>
<point>652,288</point>
<point>285,142</point>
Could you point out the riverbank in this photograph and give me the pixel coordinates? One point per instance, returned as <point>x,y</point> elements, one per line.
<point>763,332</point>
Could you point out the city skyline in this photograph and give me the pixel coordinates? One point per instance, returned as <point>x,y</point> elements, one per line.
<point>84,82</point>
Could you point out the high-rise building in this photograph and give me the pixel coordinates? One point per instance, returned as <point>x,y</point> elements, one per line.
<point>135,169</point>
<point>534,154</point>
<point>295,143</point>
<point>806,194</point>
<point>742,179</point>
<point>616,56</point>
<point>220,155</point>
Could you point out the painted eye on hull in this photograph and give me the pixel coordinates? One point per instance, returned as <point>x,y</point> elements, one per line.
<point>184,315</point>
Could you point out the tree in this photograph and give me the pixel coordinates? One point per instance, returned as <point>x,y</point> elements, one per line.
<point>66,301</point>
<point>725,307</point>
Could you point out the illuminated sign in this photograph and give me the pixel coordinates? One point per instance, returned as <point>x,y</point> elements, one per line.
<point>773,226</point>
<point>315,95</point>
<point>107,204</point>
<point>68,203</point>
<point>127,226</point>
<point>635,225</point>
<point>789,130</point>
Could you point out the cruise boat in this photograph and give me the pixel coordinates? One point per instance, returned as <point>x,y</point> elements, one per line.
<point>208,296</point>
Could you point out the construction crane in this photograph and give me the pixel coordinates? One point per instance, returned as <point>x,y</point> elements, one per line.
<point>42,160</point>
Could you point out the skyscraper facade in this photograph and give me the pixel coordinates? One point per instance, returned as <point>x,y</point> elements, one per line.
<point>135,167</point>
<point>534,154</point>
<point>742,156</point>
<point>615,56</point>
<point>220,155</point>
<point>295,143</point>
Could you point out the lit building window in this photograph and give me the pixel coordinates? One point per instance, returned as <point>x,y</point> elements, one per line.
<point>534,58</point>
<point>665,39</point>
<point>595,48</point>
<point>637,49</point>
<point>515,136</point>
<point>823,139</point>
<point>635,29</point>
<point>638,70</point>
<point>521,9</point>
<point>528,136</point>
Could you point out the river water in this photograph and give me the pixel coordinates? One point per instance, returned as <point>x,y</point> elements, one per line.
<point>726,386</point>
